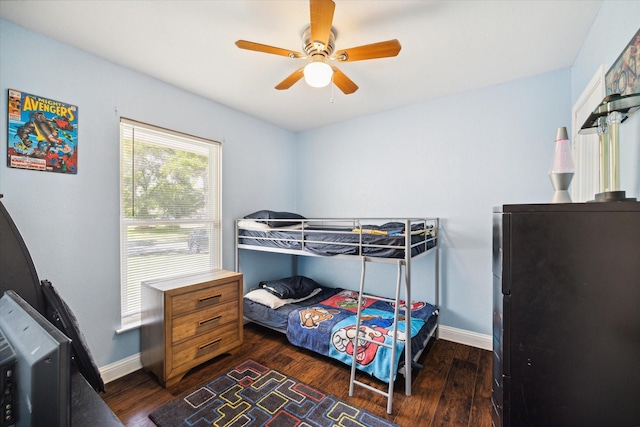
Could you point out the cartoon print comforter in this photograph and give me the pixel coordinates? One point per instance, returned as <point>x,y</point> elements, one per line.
<point>328,328</point>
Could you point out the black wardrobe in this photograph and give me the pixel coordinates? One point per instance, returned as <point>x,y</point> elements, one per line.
<point>566,318</point>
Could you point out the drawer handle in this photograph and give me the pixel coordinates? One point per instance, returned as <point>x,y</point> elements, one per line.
<point>206,299</point>
<point>212,343</point>
<point>211,319</point>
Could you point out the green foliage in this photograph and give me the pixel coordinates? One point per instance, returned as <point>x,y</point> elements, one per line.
<point>162,182</point>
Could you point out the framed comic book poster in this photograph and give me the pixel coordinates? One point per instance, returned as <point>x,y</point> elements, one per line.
<point>43,134</point>
<point>623,77</point>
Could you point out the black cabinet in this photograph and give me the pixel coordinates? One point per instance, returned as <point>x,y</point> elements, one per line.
<point>566,318</point>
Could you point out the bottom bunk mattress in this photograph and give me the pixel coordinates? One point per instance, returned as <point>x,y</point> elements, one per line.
<point>278,317</point>
<point>329,327</point>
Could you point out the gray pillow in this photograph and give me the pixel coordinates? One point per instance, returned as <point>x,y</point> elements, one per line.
<point>290,287</point>
<point>266,215</point>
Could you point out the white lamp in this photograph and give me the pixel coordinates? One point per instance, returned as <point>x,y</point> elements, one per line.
<point>561,169</point>
<point>318,74</point>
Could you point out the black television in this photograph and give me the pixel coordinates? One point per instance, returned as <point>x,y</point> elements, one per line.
<point>43,360</point>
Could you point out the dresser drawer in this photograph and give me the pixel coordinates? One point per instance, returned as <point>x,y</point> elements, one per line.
<point>195,350</point>
<point>204,320</point>
<point>196,300</point>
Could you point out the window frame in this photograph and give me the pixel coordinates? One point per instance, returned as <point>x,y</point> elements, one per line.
<point>586,148</point>
<point>212,218</point>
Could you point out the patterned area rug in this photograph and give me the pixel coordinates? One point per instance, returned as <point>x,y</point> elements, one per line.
<point>254,395</point>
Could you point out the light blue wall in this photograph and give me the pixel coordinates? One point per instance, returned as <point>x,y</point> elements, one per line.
<point>70,223</point>
<point>454,158</point>
<point>613,28</point>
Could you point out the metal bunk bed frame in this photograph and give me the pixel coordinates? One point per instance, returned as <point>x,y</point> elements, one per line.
<point>357,224</point>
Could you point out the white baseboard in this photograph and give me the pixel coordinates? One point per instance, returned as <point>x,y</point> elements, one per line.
<point>462,336</point>
<point>132,363</point>
<point>120,368</point>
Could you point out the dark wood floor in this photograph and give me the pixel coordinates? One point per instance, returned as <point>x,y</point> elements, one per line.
<point>452,389</point>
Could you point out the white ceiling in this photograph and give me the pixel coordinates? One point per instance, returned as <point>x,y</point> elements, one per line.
<point>448,47</point>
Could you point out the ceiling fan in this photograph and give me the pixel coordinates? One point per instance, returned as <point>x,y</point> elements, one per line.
<point>318,44</point>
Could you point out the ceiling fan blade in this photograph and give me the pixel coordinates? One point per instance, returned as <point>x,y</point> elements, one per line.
<point>291,80</point>
<point>321,20</point>
<point>369,51</point>
<point>344,83</point>
<point>243,44</point>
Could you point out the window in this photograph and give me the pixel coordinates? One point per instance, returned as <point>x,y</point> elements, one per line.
<point>169,209</point>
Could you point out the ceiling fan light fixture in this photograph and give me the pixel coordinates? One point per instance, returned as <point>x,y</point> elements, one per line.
<point>318,45</point>
<point>318,74</point>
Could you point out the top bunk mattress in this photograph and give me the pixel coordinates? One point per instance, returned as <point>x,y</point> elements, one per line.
<point>329,238</point>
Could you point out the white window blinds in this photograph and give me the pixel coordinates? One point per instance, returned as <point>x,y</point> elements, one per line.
<point>170,208</point>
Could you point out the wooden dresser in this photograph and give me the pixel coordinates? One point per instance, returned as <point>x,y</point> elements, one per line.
<point>189,320</point>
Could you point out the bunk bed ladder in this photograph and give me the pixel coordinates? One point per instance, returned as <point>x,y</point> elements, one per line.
<point>359,339</point>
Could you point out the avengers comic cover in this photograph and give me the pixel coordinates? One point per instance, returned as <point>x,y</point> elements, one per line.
<point>43,134</point>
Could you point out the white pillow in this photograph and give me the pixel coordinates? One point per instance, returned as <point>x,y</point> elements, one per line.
<point>264,297</point>
<point>261,226</point>
<point>253,225</point>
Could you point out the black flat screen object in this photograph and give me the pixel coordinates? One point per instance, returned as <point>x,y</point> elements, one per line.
<point>7,382</point>
<point>16,266</point>
<point>59,313</point>
<point>43,360</point>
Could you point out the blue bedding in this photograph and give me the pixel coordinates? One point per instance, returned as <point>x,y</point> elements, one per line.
<point>329,327</point>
